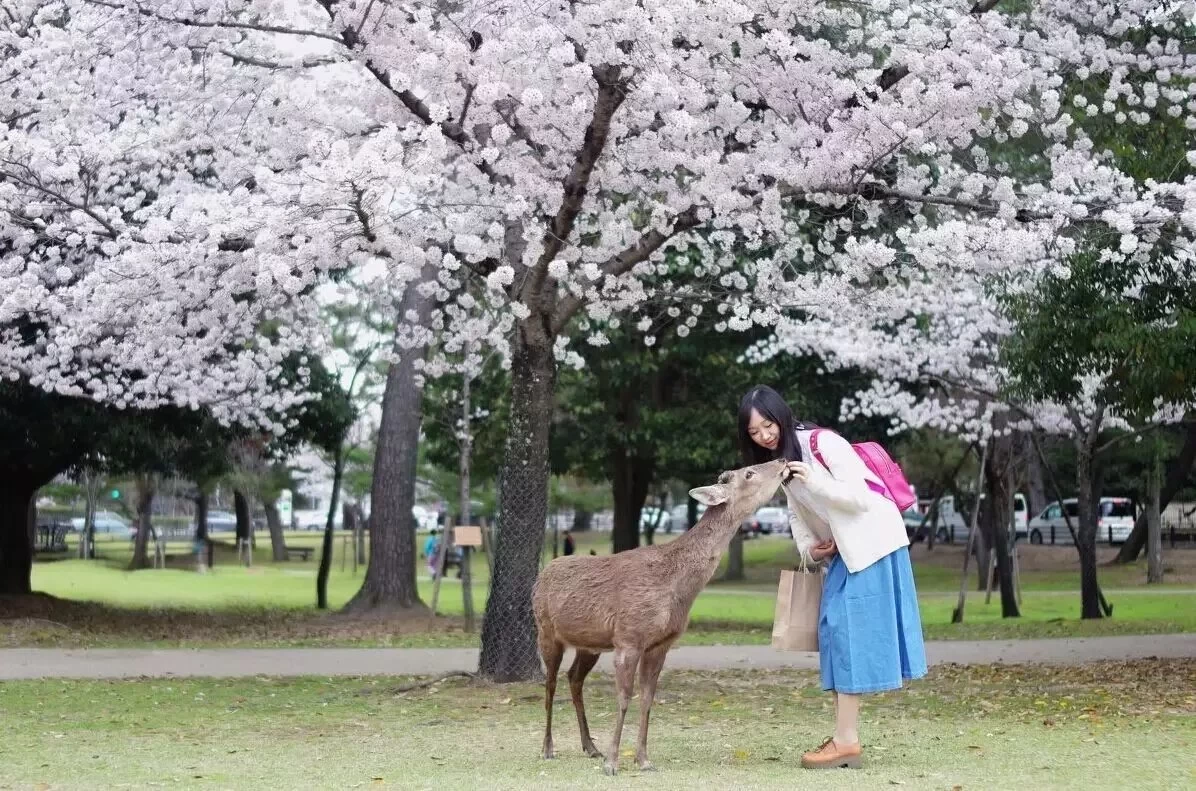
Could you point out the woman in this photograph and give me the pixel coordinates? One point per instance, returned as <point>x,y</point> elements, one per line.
<point>869,631</point>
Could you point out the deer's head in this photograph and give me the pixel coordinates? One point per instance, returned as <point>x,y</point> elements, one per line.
<point>744,490</point>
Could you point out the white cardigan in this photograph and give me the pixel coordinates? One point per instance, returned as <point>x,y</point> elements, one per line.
<point>865,525</point>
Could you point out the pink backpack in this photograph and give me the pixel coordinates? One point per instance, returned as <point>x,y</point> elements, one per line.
<point>893,485</point>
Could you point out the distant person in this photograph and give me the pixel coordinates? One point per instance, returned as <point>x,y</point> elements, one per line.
<point>569,546</point>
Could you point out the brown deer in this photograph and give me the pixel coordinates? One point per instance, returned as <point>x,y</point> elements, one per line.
<point>637,603</point>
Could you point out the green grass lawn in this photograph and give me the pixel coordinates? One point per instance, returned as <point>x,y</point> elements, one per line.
<point>272,604</point>
<point>1105,726</point>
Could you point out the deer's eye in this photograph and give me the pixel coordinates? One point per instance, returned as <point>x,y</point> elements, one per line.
<point>749,475</point>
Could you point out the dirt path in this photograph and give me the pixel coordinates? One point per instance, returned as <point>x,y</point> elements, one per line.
<point>33,663</point>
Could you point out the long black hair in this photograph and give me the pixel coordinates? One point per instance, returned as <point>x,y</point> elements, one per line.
<point>772,407</point>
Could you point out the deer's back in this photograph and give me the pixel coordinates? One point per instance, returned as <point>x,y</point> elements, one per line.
<point>589,601</point>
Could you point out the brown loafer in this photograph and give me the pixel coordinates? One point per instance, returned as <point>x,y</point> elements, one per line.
<point>832,756</point>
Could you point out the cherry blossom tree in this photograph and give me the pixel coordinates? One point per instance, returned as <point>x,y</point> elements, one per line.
<point>561,154</point>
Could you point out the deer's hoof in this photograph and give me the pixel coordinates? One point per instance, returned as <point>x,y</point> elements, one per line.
<point>609,769</point>
<point>647,766</point>
<point>548,754</point>
<point>592,751</point>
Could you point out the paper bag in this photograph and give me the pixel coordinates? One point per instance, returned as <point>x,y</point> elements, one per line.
<point>799,599</point>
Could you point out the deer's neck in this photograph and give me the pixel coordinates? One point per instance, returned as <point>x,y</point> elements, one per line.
<point>696,552</point>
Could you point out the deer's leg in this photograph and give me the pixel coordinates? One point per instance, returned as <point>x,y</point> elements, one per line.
<point>552,652</point>
<point>650,667</point>
<point>626,661</point>
<point>583,663</point>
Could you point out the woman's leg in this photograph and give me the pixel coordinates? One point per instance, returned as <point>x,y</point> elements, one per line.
<point>847,719</point>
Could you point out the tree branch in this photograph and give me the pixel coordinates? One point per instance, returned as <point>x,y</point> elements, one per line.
<point>222,25</point>
<point>626,260</point>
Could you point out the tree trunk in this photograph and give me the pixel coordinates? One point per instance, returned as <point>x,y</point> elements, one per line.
<point>1036,496</point>
<point>16,546</point>
<point>734,572</point>
<point>338,472</point>
<point>464,493</point>
<point>1177,475</point>
<point>998,485</point>
<point>241,511</point>
<point>201,516</point>
<point>1154,524</point>
<point>691,511</point>
<point>984,545</point>
<point>278,542</point>
<point>654,525</point>
<point>390,576</point>
<point>87,537</point>
<point>631,477</point>
<point>359,533</point>
<point>1086,533</point>
<point>582,520</point>
<point>509,651</point>
<point>145,501</point>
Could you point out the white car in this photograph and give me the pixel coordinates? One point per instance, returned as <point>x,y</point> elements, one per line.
<point>648,515</point>
<point>773,520</point>
<point>106,522</point>
<point>955,526</point>
<point>679,517</point>
<point>1115,521</point>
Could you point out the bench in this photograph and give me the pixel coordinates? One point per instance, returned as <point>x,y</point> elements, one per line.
<point>304,553</point>
<point>51,538</point>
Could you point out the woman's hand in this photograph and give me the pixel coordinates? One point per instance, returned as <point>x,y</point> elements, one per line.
<point>823,551</point>
<point>799,471</point>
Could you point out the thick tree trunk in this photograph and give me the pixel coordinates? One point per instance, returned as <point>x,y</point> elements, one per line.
<point>509,651</point>
<point>241,511</point>
<point>1177,474</point>
<point>145,501</point>
<point>1154,523</point>
<point>631,477</point>
<point>998,485</point>
<point>582,520</point>
<point>1086,533</point>
<point>16,545</point>
<point>278,542</point>
<point>201,516</point>
<point>984,544</point>
<point>390,576</point>
<point>734,572</point>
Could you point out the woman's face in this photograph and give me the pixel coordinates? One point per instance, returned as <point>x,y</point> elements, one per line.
<point>763,431</point>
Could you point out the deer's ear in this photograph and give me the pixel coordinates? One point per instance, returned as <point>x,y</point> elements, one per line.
<point>710,495</point>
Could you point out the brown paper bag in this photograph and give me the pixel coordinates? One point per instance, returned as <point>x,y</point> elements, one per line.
<point>795,624</point>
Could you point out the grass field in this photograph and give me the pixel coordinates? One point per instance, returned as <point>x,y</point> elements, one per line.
<point>272,604</point>
<point>1106,726</point>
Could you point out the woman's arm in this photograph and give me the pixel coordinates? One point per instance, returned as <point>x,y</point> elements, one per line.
<point>846,486</point>
<point>803,536</point>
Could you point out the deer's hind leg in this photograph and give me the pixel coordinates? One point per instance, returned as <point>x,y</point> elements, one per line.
<point>583,663</point>
<point>552,652</point>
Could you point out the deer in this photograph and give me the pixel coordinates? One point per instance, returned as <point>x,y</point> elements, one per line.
<point>636,604</point>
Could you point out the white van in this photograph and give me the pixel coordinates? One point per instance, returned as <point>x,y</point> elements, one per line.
<point>954,527</point>
<point>1115,521</point>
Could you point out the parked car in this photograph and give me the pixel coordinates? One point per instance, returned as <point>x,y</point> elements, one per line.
<point>773,519</point>
<point>222,522</point>
<point>679,517</point>
<point>954,526</point>
<point>1115,521</point>
<point>426,519</point>
<point>107,522</point>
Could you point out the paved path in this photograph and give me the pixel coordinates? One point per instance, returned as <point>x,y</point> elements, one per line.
<point>17,663</point>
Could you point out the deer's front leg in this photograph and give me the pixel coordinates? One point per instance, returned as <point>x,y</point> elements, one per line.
<point>626,661</point>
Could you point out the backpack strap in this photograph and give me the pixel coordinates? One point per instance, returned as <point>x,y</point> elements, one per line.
<point>814,448</point>
<point>879,488</point>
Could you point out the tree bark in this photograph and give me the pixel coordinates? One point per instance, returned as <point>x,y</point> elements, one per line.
<point>734,572</point>
<point>1154,523</point>
<point>631,476</point>
<point>338,471</point>
<point>1086,534</point>
<point>1177,474</point>
<point>654,525</point>
<point>278,542</point>
<point>241,511</point>
<point>145,501</point>
<point>998,485</point>
<point>16,546</point>
<point>464,494</point>
<point>509,651</point>
<point>1036,496</point>
<point>390,576</point>
<point>201,516</point>
<point>582,520</point>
